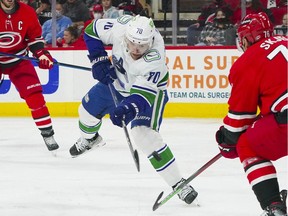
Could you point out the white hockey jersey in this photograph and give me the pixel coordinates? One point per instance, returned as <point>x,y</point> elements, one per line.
<point>145,76</point>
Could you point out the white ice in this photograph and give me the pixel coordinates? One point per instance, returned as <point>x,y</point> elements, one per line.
<point>105,182</point>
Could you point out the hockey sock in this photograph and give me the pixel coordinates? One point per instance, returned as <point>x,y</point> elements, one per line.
<point>89,125</point>
<point>89,129</point>
<point>267,192</point>
<point>262,177</point>
<point>164,163</point>
<point>39,111</point>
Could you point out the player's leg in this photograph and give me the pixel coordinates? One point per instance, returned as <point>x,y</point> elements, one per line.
<point>95,105</point>
<point>257,147</point>
<point>145,131</point>
<point>25,79</point>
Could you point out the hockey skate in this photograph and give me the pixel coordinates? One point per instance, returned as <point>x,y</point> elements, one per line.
<point>82,145</point>
<point>187,194</point>
<point>49,140</point>
<point>277,208</point>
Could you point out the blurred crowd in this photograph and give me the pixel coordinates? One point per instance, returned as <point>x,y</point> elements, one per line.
<point>218,21</point>
<point>72,16</point>
<point>216,25</point>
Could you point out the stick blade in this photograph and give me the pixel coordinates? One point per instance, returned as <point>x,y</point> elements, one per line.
<point>157,203</point>
<point>136,159</point>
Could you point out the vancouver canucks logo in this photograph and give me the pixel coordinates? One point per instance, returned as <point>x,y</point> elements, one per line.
<point>9,39</point>
<point>118,64</point>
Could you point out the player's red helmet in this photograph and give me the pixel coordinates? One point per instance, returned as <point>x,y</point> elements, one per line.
<point>255,27</point>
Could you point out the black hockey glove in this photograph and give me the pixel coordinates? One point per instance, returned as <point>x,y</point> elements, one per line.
<point>227,142</point>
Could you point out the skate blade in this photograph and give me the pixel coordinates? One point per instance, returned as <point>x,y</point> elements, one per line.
<point>196,203</point>
<point>54,153</point>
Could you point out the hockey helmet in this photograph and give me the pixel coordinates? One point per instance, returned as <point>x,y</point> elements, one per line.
<point>139,34</point>
<point>140,30</point>
<point>254,27</point>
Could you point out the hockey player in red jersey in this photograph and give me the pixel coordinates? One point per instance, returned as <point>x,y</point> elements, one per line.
<point>19,31</point>
<point>259,80</point>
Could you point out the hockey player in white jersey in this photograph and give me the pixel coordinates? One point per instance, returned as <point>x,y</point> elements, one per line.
<point>139,76</point>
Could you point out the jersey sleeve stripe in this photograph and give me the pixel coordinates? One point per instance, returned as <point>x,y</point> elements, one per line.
<point>241,117</point>
<point>236,129</point>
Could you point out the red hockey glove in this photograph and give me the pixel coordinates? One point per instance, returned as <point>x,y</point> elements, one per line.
<point>45,59</point>
<point>226,150</point>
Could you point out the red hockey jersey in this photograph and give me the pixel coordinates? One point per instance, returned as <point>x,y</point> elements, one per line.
<point>19,31</point>
<point>259,80</point>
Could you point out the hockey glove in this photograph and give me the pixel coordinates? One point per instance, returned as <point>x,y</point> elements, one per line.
<point>45,59</point>
<point>226,146</point>
<point>124,112</point>
<point>103,70</point>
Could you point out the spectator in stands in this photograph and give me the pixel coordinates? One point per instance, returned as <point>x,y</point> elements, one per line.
<point>33,3</point>
<point>126,8</point>
<point>44,11</point>
<point>279,11</point>
<point>220,32</point>
<point>207,15</point>
<point>25,2</point>
<point>252,7</point>
<point>71,38</point>
<point>134,7</point>
<point>109,10</point>
<point>77,11</point>
<point>282,29</point>
<point>62,22</point>
<point>208,10</point>
<point>269,3</point>
<point>91,3</point>
<point>95,13</point>
<point>233,4</point>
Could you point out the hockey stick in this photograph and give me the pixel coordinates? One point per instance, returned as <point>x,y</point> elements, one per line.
<point>159,203</point>
<point>36,60</point>
<point>133,152</point>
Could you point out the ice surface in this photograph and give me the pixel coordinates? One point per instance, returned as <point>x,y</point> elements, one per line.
<point>104,182</point>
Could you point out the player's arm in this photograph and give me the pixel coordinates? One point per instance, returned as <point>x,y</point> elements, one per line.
<point>102,32</point>
<point>242,113</point>
<point>36,42</point>
<point>102,68</point>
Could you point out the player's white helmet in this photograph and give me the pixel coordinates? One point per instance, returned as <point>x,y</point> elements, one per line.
<point>139,34</point>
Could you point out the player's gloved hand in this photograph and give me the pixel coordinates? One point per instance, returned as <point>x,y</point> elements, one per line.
<point>103,70</point>
<point>45,59</point>
<point>125,111</point>
<point>226,147</point>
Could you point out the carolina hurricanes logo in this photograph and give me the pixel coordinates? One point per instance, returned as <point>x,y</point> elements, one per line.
<point>9,39</point>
